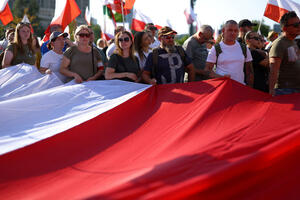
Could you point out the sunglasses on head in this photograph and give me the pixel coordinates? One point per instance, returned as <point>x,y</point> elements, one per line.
<point>84,35</point>
<point>169,36</point>
<point>296,25</point>
<point>126,39</point>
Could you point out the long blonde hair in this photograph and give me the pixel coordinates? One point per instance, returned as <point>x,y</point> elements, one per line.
<point>119,50</point>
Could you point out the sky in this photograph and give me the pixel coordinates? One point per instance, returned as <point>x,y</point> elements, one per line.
<point>216,12</point>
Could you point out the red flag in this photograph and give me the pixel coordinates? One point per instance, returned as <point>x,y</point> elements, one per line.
<point>65,12</point>
<point>5,13</point>
<point>129,4</point>
<point>276,8</point>
<point>116,6</point>
<point>214,139</point>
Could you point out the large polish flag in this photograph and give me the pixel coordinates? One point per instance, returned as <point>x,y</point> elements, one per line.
<point>214,139</point>
<point>276,8</point>
<point>65,12</point>
<point>5,13</point>
<point>167,13</point>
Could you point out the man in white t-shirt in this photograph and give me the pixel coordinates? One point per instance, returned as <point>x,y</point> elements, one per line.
<point>230,62</point>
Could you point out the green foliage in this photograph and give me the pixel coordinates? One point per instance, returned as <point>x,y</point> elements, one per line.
<point>97,31</point>
<point>180,40</point>
<point>264,29</point>
<point>118,17</point>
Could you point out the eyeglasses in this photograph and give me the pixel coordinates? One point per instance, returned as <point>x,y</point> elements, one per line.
<point>87,35</point>
<point>169,37</point>
<point>295,25</point>
<point>126,39</point>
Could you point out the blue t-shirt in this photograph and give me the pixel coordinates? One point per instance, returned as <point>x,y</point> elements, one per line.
<point>170,67</point>
<point>44,48</point>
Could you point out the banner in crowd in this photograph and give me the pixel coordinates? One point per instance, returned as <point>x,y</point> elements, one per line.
<point>276,8</point>
<point>5,13</point>
<point>215,139</point>
<point>155,12</point>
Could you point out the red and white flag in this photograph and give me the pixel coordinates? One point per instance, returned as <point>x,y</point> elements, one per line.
<point>65,12</point>
<point>5,13</point>
<point>167,13</point>
<point>87,16</point>
<point>276,8</point>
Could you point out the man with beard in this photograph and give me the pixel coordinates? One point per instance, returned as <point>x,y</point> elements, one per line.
<point>168,63</point>
<point>284,58</point>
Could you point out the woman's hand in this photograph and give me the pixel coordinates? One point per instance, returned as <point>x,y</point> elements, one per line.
<point>132,76</point>
<point>77,78</point>
<point>48,71</point>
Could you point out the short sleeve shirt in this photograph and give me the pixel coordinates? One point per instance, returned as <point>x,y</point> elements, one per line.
<point>82,62</point>
<point>170,67</point>
<point>27,56</point>
<point>289,71</point>
<point>121,64</point>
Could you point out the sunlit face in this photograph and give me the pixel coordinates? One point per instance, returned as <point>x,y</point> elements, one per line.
<point>124,41</point>
<point>146,41</point>
<point>24,33</point>
<point>83,36</point>
<point>254,40</point>
<point>230,32</point>
<point>168,40</point>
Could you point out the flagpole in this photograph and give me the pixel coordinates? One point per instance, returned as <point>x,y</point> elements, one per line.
<point>258,30</point>
<point>122,13</point>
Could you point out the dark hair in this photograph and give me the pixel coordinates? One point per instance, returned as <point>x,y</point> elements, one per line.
<point>285,18</point>
<point>138,41</point>
<point>119,29</point>
<point>119,50</point>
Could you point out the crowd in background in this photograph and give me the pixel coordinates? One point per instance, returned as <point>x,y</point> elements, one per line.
<point>152,57</point>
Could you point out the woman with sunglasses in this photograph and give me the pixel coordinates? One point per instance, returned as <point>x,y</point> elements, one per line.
<point>123,64</point>
<point>142,42</point>
<point>21,50</point>
<point>81,61</point>
<point>260,61</point>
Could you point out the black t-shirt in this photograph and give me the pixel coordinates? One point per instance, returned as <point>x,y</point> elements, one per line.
<point>260,72</point>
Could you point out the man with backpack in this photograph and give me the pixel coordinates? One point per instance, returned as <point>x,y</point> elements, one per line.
<point>168,63</point>
<point>230,57</point>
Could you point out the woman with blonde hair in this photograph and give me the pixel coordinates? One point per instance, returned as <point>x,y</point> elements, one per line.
<point>123,64</point>
<point>81,61</point>
<point>21,50</point>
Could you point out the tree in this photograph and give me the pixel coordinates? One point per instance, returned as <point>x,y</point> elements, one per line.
<point>31,9</point>
<point>264,29</point>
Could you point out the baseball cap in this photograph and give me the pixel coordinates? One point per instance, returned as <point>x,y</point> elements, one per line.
<point>271,33</point>
<point>246,22</point>
<point>166,31</point>
<point>57,34</point>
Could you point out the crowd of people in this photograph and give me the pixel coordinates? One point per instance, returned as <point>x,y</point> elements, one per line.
<point>152,57</point>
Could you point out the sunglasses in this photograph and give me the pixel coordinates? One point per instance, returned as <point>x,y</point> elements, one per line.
<point>169,36</point>
<point>296,25</point>
<point>126,39</point>
<point>87,35</point>
<point>255,38</point>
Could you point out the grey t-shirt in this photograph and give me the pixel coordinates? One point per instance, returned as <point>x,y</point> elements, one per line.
<point>289,72</point>
<point>82,63</point>
<point>198,54</point>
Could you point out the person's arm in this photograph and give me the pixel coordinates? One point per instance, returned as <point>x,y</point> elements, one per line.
<point>96,76</point>
<point>249,73</point>
<point>69,42</point>
<point>191,72</point>
<point>65,71</point>
<point>111,74</point>
<point>7,58</point>
<point>209,72</point>
<point>146,75</point>
<point>273,76</point>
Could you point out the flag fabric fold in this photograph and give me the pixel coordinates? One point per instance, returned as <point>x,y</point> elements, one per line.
<point>87,16</point>
<point>5,13</point>
<point>214,139</point>
<point>276,8</point>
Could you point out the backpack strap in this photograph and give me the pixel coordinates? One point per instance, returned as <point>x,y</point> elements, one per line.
<point>154,61</point>
<point>218,52</point>
<point>244,49</point>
